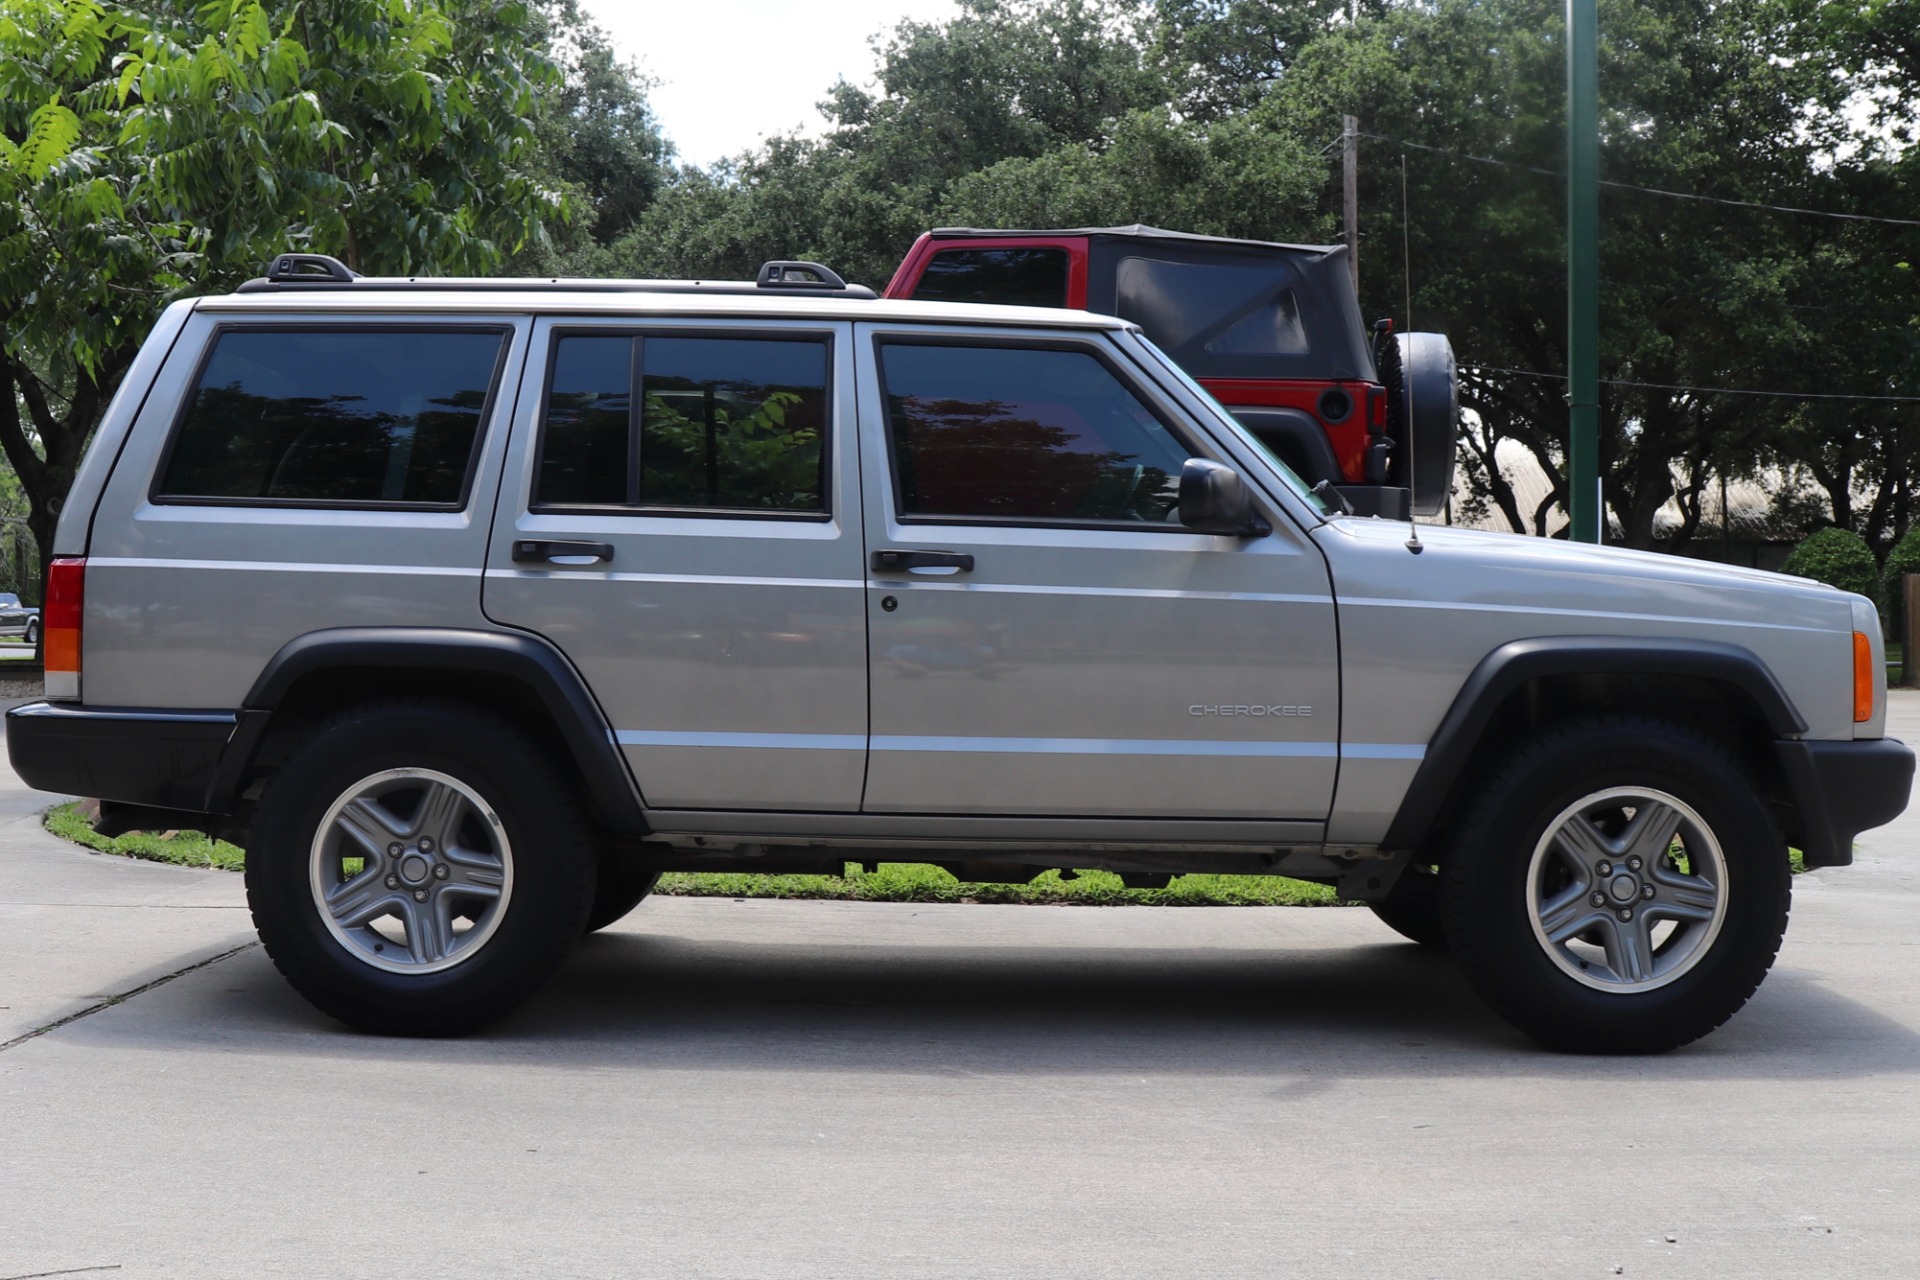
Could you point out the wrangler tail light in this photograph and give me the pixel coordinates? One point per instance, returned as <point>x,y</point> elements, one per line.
<point>60,627</point>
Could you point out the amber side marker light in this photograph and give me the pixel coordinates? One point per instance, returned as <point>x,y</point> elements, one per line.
<point>1862,678</point>
<point>60,626</point>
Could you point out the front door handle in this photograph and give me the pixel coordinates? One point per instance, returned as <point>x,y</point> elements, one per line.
<point>537,549</point>
<point>909,561</point>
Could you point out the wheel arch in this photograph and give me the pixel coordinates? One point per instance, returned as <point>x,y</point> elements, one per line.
<point>518,676</point>
<point>1724,689</point>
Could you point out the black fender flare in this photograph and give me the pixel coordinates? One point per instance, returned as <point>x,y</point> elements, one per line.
<point>1519,662</point>
<point>1296,436</point>
<point>526,659</point>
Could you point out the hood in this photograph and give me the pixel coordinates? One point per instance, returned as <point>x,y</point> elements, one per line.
<point>1509,571</point>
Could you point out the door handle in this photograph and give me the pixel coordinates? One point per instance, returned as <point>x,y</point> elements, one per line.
<point>910,561</point>
<point>537,549</point>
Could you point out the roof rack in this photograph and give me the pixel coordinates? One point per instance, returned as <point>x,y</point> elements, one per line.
<point>316,272</point>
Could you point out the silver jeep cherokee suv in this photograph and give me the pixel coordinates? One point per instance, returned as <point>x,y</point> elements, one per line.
<point>469,607</point>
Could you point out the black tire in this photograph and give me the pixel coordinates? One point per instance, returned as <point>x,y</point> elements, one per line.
<point>513,829</point>
<point>1532,919</point>
<point>1412,910</point>
<point>618,889</point>
<point>32,634</point>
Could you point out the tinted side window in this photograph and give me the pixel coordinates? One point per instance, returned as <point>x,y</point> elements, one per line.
<point>379,416</point>
<point>1242,309</point>
<point>1016,277</point>
<point>720,423</point>
<point>1024,435</point>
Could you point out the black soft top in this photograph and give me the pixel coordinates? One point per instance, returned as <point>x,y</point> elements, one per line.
<point>1223,308</point>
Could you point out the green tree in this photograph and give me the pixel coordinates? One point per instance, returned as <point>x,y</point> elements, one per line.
<point>1005,80</point>
<point>1725,101</point>
<point>1837,557</point>
<point>152,152</point>
<point>1232,177</point>
<point>596,139</point>
<point>1901,561</point>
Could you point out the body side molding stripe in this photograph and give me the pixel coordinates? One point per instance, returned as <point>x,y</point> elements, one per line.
<point>1021,746</point>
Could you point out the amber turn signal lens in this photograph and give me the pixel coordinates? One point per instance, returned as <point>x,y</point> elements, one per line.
<point>1862,678</point>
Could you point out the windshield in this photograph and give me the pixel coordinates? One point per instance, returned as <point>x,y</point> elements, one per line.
<point>1287,474</point>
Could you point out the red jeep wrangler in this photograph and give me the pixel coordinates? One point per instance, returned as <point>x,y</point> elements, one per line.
<point>1272,330</point>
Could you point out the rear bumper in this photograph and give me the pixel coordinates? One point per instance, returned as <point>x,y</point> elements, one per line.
<point>162,759</point>
<point>1843,788</point>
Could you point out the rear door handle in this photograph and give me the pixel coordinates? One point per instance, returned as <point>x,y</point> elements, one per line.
<point>910,561</point>
<point>534,550</point>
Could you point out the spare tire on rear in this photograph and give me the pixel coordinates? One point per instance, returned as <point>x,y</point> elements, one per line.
<point>1426,426</point>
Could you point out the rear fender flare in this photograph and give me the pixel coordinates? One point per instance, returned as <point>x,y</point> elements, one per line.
<point>531,662</point>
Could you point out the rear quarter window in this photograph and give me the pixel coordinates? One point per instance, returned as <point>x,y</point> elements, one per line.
<point>1012,277</point>
<point>380,416</point>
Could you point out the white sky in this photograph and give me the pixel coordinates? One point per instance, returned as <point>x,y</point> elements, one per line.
<point>733,72</point>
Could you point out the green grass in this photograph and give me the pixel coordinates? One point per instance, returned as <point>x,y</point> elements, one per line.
<point>186,848</point>
<point>892,882</point>
<point>917,882</point>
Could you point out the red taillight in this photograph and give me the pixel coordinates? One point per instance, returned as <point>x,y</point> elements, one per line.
<point>60,626</point>
<point>1377,407</point>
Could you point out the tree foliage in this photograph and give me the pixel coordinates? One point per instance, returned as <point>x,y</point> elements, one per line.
<point>1218,116</point>
<point>1839,558</point>
<point>162,148</point>
<point>595,138</point>
<point>151,151</point>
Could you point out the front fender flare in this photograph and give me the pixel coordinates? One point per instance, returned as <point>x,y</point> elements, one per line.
<point>1519,662</point>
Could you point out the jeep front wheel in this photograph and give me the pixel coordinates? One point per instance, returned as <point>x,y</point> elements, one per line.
<point>1617,886</point>
<point>418,868</point>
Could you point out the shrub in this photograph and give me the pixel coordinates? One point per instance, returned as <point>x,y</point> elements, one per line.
<point>1839,558</point>
<point>1902,560</point>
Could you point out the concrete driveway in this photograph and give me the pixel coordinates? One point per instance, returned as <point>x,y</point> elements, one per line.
<point>789,1090</point>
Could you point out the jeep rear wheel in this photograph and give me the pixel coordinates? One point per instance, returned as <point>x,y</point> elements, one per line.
<point>418,868</point>
<point>1617,886</point>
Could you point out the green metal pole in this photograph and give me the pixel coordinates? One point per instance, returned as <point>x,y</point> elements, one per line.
<point>1583,268</point>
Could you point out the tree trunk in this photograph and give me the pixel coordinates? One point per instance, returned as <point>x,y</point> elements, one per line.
<point>62,425</point>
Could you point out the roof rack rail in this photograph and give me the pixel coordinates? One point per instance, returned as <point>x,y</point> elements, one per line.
<point>304,272</point>
<point>781,274</point>
<point>290,267</point>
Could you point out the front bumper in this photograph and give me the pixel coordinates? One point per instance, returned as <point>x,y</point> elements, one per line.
<point>1843,788</point>
<point>160,759</point>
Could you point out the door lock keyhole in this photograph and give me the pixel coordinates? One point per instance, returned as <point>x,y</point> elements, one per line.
<point>889,603</point>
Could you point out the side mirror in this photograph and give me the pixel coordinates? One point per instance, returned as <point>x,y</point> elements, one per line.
<point>1213,499</point>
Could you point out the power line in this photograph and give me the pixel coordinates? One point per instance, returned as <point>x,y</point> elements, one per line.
<point>1655,191</point>
<point>1715,391</point>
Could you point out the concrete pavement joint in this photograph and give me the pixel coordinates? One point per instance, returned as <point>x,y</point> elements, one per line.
<point>70,1271</point>
<point>108,1003</point>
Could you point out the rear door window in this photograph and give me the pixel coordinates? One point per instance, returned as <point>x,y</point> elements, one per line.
<point>1029,435</point>
<point>373,416</point>
<point>1014,277</point>
<point>726,424</point>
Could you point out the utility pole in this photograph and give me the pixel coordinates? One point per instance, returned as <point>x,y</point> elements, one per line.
<point>1584,506</point>
<point>1350,193</point>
